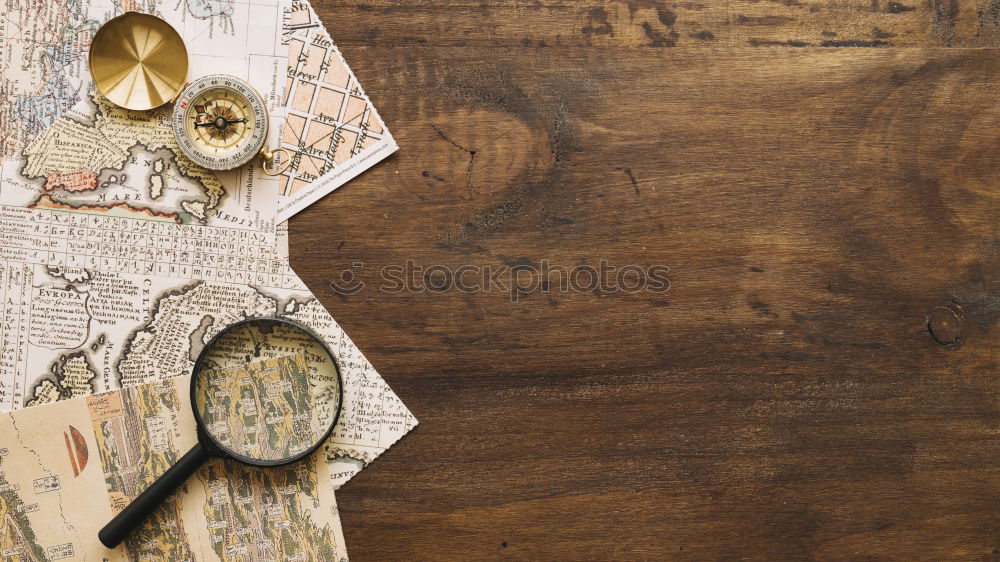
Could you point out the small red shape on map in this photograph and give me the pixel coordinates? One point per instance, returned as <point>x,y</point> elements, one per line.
<point>83,180</point>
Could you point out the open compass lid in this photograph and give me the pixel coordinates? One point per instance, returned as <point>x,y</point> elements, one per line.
<point>138,61</point>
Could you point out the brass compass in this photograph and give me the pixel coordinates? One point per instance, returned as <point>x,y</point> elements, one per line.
<point>220,122</point>
<point>139,62</point>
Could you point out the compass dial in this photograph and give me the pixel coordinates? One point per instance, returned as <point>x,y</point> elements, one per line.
<point>220,122</point>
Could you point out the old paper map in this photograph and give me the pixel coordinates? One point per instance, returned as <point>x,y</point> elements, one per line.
<point>119,261</point>
<point>63,146</point>
<point>68,332</point>
<point>67,468</point>
<point>330,123</point>
<point>101,159</point>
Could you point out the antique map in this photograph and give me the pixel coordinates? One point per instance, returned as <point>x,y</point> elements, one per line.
<point>101,158</point>
<point>79,331</point>
<point>330,123</point>
<point>119,261</point>
<point>67,332</point>
<point>62,146</point>
<point>67,468</point>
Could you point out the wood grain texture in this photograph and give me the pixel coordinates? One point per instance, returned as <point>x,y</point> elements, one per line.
<point>819,381</point>
<point>666,23</point>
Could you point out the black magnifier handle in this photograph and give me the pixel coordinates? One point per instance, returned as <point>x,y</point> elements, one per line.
<point>129,518</point>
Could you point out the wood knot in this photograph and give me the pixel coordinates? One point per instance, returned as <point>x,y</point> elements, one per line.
<point>945,325</point>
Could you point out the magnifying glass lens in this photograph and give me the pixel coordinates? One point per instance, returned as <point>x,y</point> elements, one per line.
<point>266,392</point>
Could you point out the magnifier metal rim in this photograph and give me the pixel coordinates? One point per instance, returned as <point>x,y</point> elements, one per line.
<point>202,431</point>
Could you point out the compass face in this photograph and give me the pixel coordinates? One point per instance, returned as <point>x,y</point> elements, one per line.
<point>220,122</point>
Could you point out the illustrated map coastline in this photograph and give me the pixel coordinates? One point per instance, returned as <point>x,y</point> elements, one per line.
<point>62,146</point>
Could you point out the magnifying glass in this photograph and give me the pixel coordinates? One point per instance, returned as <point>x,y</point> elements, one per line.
<point>265,392</point>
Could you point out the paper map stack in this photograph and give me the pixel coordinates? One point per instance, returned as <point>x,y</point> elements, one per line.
<point>120,259</point>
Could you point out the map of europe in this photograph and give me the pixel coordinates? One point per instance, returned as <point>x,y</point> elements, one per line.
<point>43,51</point>
<point>62,146</point>
<point>120,159</point>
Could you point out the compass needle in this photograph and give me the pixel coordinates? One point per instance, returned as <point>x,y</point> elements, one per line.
<point>220,122</point>
<point>221,128</point>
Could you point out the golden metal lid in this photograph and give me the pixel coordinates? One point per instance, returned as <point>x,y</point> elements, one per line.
<point>138,61</point>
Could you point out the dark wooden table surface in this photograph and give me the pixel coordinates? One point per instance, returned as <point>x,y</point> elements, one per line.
<point>820,379</point>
